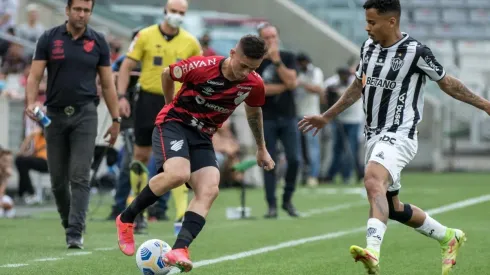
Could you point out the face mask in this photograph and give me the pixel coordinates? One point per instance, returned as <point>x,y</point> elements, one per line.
<point>174,19</point>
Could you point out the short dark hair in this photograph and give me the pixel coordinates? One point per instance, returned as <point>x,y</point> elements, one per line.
<point>70,2</point>
<point>253,46</point>
<point>384,6</point>
<point>264,25</point>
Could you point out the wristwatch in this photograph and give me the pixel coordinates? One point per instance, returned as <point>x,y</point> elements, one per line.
<point>119,96</point>
<point>277,64</point>
<point>117,119</point>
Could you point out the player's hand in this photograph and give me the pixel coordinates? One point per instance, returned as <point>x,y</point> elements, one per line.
<point>264,159</point>
<point>273,52</point>
<point>113,132</point>
<point>315,122</point>
<point>30,110</point>
<point>124,107</point>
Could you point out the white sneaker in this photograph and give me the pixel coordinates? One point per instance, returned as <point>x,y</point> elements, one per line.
<point>312,182</point>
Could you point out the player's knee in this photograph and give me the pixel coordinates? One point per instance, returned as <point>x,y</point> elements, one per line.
<point>210,193</point>
<point>403,214</point>
<point>177,177</point>
<point>373,184</point>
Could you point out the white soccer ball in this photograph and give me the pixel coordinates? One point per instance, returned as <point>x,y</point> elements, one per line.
<point>149,257</point>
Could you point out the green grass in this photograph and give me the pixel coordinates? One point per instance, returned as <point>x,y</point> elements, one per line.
<point>403,252</point>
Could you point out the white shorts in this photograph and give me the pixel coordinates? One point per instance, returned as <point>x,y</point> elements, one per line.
<point>394,152</point>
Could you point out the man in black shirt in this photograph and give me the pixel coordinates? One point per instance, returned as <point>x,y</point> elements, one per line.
<point>278,71</point>
<point>73,54</point>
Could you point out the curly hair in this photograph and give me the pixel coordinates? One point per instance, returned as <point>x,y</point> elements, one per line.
<point>384,6</point>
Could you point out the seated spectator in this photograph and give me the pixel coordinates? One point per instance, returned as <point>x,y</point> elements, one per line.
<point>205,44</point>
<point>32,156</point>
<point>227,151</point>
<point>6,202</point>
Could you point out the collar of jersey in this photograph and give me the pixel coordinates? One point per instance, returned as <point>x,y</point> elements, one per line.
<point>405,36</point>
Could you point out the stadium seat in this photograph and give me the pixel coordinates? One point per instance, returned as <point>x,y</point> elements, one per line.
<point>478,3</point>
<point>418,31</point>
<point>422,3</point>
<point>443,51</point>
<point>451,16</point>
<point>425,15</point>
<point>452,3</point>
<point>405,17</point>
<point>480,16</point>
<point>473,47</point>
<point>443,31</point>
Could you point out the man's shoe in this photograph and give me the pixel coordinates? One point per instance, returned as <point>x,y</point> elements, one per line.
<point>271,214</point>
<point>74,242</point>
<point>368,257</point>
<point>125,236</point>
<point>179,258</point>
<point>114,213</point>
<point>455,238</point>
<point>289,208</point>
<point>140,224</point>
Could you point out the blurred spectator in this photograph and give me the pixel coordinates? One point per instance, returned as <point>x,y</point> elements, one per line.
<point>14,62</point>
<point>227,151</point>
<point>205,44</point>
<point>32,156</point>
<point>307,97</point>
<point>32,29</point>
<point>8,12</point>
<point>345,129</point>
<point>278,71</point>
<point>5,44</point>
<point>115,46</point>
<point>6,203</point>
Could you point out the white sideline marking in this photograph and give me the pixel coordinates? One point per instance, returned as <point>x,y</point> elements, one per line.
<point>333,235</point>
<point>79,253</point>
<point>47,259</point>
<point>13,265</point>
<point>105,249</point>
<point>317,211</point>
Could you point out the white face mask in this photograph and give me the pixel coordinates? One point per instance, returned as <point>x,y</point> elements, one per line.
<point>174,19</point>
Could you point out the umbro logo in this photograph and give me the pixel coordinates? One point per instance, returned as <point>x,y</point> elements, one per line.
<point>381,155</point>
<point>176,145</point>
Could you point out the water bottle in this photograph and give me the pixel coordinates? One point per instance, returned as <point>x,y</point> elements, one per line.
<point>41,117</point>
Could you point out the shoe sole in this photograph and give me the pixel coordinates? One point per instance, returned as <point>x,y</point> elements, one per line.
<point>461,243</point>
<point>359,254</point>
<point>183,266</point>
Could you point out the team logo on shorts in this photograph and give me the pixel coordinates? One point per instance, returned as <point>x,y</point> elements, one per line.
<point>396,63</point>
<point>177,72</point>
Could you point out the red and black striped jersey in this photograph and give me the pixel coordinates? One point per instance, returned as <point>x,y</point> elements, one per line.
<point>207,98</point>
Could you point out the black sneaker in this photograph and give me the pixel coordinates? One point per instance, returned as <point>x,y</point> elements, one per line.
<point>114,213</point>
<point>74,242</point>
<point>271,214</point>
<point>155,213</point>
<point>289,208</point>
<point>140,224</point>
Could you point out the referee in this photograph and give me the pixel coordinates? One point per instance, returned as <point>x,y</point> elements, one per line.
<point>156,47</point>
<point>73,54</point>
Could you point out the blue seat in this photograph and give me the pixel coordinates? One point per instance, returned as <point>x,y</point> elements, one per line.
<point>451,16</point>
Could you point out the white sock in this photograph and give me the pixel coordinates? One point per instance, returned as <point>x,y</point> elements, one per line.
<point>375,232</point>
<point>432,228</point>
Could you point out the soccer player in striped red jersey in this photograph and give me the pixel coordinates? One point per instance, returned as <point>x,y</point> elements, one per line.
<point>212,88</point>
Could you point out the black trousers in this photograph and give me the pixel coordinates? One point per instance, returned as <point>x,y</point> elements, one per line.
<point>70,143</point>
<point>24,165</point>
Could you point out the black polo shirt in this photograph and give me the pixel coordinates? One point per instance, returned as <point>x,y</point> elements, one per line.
<point>281,105</point>
<point>72,65</point>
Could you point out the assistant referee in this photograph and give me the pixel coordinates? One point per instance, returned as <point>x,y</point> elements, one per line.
<point>156,47</point>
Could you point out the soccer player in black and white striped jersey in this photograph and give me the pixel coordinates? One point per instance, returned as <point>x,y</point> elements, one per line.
<point>392,71</point>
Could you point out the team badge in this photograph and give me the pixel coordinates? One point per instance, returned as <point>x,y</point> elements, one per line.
<point>177,71</point>
<point>88,45</point>
<point>396,63</point>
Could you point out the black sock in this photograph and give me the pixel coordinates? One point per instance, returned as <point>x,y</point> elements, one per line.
<point>139,204</point>
<point>192,225</point>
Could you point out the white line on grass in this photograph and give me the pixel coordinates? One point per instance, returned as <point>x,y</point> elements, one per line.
<point>47,259</point>
<point>81,253</point>
<point>333,235</point>
<point>317,211</point>
<point>13,265</point>
<point>105,249</point>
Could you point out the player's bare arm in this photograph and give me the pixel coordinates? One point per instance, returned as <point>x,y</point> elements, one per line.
<point>274,89</point>
<point>33,80</point>
<point>254,117</point>
<point>110,97</point>
<point>317,122</point>
<point>167,86</point>
<point>455,88</point>
<point>127,66</point>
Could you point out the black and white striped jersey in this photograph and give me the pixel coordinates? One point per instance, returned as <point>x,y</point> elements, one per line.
<point>393,80</point>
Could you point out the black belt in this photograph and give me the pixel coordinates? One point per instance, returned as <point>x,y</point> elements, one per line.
<point>67,110</point>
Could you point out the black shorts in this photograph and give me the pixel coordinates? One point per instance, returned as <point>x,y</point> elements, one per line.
<point>147,107</point>
<point>174,139</point>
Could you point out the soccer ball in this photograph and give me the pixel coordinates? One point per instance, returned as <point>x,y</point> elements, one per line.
<point>149,257</point>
